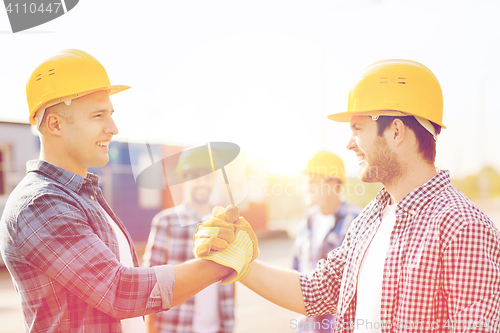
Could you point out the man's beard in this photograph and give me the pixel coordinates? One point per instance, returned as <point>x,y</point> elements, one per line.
<point>382,166</point>
<point>200,195</point>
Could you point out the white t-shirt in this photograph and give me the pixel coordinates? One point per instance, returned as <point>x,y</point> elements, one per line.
<point>321,225</point>
<point>371,273</point>
<point>136,324</point>
<point>206,318</point>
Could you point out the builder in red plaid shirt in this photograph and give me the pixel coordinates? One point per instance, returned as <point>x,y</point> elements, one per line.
<point>421,257</point>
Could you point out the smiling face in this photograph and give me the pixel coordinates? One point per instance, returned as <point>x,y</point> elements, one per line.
<point>84,139</point>
<point>377,162</point>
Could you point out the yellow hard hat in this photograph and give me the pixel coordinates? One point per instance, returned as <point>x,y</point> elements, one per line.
<point>395,87</point>
<point>67,75</point>
<point>194,159</point>
<point>326,164</point>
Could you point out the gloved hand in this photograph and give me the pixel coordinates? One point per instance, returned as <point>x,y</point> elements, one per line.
<point>216,233</point>
<point>239,253</point>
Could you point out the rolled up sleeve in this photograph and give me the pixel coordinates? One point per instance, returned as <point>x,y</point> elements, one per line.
<point>320,288</point>
<point>164,287</point>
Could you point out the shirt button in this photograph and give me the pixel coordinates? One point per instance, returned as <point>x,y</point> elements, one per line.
<point>389,273</point>
<point>91,197</point>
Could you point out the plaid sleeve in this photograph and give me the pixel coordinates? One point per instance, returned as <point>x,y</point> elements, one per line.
<point>320,288</point>
<point>472,277</point>
<point>56,238</point>
<point>156,252</point>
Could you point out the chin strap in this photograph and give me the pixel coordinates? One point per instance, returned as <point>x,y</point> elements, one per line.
<point>428,126</point>
<point>424,122</point>
<point>40,113</point>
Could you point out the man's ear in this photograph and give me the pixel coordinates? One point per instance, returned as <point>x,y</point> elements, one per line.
<point>53,124</point>
<point>398,132</point>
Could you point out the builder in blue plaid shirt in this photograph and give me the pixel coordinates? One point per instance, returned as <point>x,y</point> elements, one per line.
<point>325,224</point>
<point>72,261</point>
<point>171,242</point>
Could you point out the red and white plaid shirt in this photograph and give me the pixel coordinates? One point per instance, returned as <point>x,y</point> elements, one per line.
<point>441,272</point>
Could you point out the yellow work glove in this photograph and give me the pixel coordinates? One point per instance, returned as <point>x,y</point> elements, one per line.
<point>216,233</point>
<point>238,254</point>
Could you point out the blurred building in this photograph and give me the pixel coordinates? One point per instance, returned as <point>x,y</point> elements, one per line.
<point>137,206</point>
<point>17,146</point>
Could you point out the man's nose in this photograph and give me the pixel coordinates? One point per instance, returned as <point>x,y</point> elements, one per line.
<point>112,128</point>
<point>351,144</point>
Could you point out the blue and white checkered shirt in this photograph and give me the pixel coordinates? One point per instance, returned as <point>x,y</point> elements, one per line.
<point>63,255</point>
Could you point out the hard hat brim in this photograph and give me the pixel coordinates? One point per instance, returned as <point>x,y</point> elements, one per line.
<point>345,117</point>
<point>117,88</point>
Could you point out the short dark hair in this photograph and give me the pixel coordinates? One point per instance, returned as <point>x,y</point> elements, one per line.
<point>60,109</point>
<point>426,142</point>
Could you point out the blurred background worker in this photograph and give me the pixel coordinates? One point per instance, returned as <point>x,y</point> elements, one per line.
<point>324,226</point>
<point>171,241</point>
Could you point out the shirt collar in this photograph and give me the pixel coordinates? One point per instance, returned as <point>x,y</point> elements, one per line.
<point>342,210</point>
<point>67,178</point>
<point>416,199</point>
<point>194,214</point>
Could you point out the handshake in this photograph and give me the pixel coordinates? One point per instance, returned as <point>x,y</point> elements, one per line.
<point>228,240</point>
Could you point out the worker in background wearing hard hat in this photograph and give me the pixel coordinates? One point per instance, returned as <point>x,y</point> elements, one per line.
<point>171,241</point>
<point>324,226</point>
<point>71,259</point>
<point>420,256</point>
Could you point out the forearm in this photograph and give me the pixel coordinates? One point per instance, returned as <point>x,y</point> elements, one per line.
<point>150,321</point>
<point>280,286</point>
<point>195,275</point>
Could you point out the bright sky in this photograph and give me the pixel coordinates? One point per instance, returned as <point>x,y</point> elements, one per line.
<point>265,74</point>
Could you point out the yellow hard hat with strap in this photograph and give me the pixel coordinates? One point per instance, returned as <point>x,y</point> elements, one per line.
<point>67,75</point>
<point>396,87</point>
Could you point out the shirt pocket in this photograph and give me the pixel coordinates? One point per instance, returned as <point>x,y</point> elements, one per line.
<point>419,283</point>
